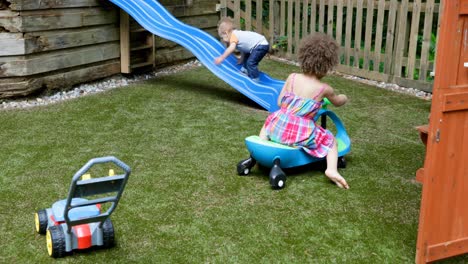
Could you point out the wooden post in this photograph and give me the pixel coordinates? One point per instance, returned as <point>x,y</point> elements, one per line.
<point>378,39</point>
<point>349,23</point>
<point>237,13</point>
<point>368,35</point>
<point>297,24</point>
<point>223,8</point>
<point>391,27</point>
<point>259,17</point>
<point>400,38</point>
<point>331,9</point>
<point>305,18</point>
<point>290,27</point>
<point>124,42</point>
<point>413,38</point>
<point>443,219</point>
<point>428,16</point>
<point>248,15</point>
<point>274,21</point>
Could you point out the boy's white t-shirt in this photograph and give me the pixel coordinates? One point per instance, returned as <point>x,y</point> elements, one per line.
<point>246,41</point>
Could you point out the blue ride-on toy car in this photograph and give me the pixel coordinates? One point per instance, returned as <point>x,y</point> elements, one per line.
<point>80,223</point>
<point>277,156</point>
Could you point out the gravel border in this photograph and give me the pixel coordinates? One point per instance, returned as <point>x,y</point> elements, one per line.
<point>94,87</point>
<point>383,85</point>
<point>121,80</point>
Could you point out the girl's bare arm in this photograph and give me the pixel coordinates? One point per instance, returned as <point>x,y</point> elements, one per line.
<point>335,99</point>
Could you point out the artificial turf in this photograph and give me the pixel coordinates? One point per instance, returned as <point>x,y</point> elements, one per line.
<point>183,135</point>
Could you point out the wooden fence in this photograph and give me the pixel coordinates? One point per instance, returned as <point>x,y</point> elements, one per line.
<point>383,40</point>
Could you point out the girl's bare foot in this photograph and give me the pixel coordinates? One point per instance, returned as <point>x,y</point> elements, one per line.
<point>337,179</point>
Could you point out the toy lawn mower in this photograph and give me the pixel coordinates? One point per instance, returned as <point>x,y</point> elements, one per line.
<point>80,223</point>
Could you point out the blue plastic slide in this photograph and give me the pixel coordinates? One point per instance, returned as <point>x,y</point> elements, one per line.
<point>155,18</point>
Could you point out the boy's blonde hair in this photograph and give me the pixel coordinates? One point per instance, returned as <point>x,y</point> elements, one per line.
<point>318,54</point>
<point>225,24</point>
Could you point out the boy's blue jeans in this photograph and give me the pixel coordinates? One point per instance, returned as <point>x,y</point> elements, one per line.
<point>252,60</point>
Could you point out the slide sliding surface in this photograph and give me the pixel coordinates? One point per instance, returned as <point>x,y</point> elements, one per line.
<point>155,18</point>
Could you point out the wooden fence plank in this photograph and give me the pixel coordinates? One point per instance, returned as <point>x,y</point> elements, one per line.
<point>290,27</point>
<point>237,13</point>
<point>391,26</point>
<point>368,33</point>
<point>125,42</point>
<point>313,16</point>
<point>248,15</point>
<point>283,18</point>
<point>205,23</point>
<point>357,36</point>
<point>441,8</point>
<point>259,17</point>
<point>297,24</point>
<point>378,34</point>
<point>349,23</point>
<point>12,44</point>
<point>30,21</point>
<point>272,21</point>
<point>400,37</point>
<point>223,11</point>
<point>426,41</point>
<point>69,78</point>
<point>305,18</point>
<point>57,60</point>
<point>54,40</point>
<point>331,9</point>
<point>322,16</point>
<point>371,75</point>
<point>22,5</point>
<point>178,53</point>
<point>413,38</point>
<point>388,4</point>
<point>339,24</point>
<point>21,44</point>
<point>10,21</point>
<point>11,87</point>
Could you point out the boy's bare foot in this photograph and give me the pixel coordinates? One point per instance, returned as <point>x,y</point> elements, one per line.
<point>337,179</point>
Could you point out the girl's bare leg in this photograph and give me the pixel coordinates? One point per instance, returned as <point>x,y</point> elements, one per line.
<point>263,134</point>
<point>332,168</point>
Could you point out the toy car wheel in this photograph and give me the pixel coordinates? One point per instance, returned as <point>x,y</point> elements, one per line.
<point>108,235</point>
<point>277,177</point>
<point>244,166</point>
<point>41,221</point>
<point>55,241</point>
<point>341,162</point>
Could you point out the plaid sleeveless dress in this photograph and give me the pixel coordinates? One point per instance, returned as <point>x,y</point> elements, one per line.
<point>293,125</point>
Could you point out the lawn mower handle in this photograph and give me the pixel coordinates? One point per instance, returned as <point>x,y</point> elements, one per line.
<point>100,160</point>
<point>96,186</point>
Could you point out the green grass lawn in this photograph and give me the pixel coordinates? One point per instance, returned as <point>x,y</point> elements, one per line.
<point>183,135</point>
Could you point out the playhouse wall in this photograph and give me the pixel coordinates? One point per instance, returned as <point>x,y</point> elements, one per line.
<point>57,44</point>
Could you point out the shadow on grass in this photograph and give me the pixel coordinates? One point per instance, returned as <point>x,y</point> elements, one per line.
<point>213,91</point>
<point>318,166</point>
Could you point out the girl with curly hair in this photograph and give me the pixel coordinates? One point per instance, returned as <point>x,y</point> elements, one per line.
<point>300,100</point>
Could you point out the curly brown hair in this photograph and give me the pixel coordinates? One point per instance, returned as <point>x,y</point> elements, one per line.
<point>318,54</point>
